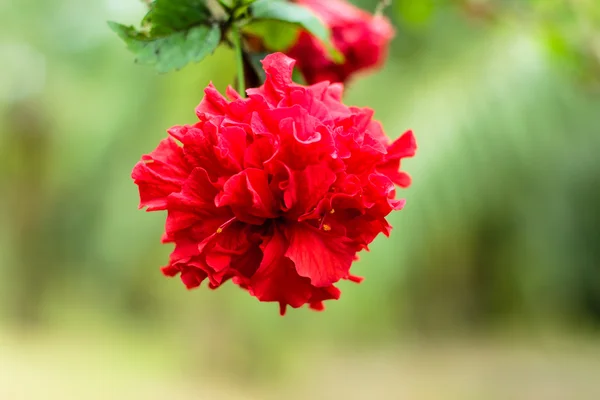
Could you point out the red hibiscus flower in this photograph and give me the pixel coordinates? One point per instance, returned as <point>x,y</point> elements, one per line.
<point>361,37</point>
<point>276,192</point>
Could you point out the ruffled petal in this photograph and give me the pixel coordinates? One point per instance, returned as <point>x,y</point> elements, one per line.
<point>403,147</point>
<point>193,209</point>
<point>323,258</point>
<point>249,196</point>
<point>310,186</point>
<point>276,280</point>
<point>159,174</point>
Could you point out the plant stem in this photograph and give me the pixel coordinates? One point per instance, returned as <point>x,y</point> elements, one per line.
<point>382,5</point>
<point>237,47</point>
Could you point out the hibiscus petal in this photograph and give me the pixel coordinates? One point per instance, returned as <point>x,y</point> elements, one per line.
<point>260,151</point>
<point>278,68</point>
<point>403,147</point>
<point>249,196</point>
<point>185,262</point>
<point>192,277</point>
<point>282,184</point>
<point>232,94</point>
<point>213,103</point>
<point>194,207</point>
<point>159,174</point>
<point>323,258</point>
<point>231,144</point>
<point>302,97</point>
<point>303,139</point>
<point>197,192</point>
<point>311,185</point>
<point>276,279</point>
<point>321,294</point>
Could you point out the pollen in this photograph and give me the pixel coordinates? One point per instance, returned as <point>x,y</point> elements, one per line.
<point>148,161</point>
<point>326,228</point>
<point>332,211</point>
<point>219,230</point>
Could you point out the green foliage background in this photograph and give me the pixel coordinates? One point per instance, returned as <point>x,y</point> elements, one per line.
<point>500,233</point>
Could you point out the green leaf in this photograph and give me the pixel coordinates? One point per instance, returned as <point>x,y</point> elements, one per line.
<point>231,4</point>
<point>172,51</point>
<point>173,33</point>
<point>292,14</point>
<point>168,16</point>
<point>298,77</point>
<point>276,35</point>
<point>226,4</point>
<point>242,3</point>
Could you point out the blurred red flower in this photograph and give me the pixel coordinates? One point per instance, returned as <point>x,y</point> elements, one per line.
<point>277,192</point>
<point>361,37</point>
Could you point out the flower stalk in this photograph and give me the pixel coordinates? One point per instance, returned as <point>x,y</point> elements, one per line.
<point>239,59</point>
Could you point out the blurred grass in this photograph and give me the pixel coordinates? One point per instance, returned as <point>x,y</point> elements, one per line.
<point>104,365</point>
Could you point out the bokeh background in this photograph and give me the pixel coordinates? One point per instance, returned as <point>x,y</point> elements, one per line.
<point>489,287</point>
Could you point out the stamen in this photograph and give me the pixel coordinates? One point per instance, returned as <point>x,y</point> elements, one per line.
<point>219,230</point>
<point>326,228</point>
